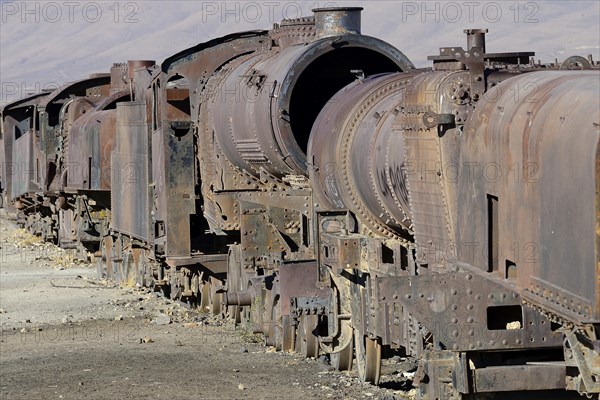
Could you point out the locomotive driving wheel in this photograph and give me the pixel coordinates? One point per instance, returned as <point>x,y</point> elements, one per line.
<point>342,360</point>
<point>210,299</point>
<point>104,263</point>
<point>368,358</point>
<point>216,298</point>
<point>145,276</point>
<point>175,286</point>
<point>106,260</point>
<point>127,271</point>
<point>117,257</point>
<point>307,343</point>
<point>204,303</point>
<point>234,314</point>
<point>272,327</point>
<point>234,281</point>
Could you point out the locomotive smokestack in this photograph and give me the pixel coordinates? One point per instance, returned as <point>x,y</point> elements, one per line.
<point>121,74</point>
<point>132,65</point>
<point>336,21</point>
<point>476,38</point>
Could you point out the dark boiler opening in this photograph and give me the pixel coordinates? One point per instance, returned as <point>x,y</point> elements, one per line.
<point>323,78</point>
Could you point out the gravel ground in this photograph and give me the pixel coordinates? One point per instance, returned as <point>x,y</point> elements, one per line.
<point>66,335</point>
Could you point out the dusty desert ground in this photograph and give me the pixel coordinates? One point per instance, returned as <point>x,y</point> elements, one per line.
<point>67,335</point>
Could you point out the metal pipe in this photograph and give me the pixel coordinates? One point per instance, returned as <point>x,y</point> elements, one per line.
<point>337,21</point>
<point>242,299</point>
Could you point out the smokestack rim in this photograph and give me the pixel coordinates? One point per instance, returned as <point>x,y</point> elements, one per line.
<point>329,9</point>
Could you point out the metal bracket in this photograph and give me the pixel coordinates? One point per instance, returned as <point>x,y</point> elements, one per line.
<point>308,306</point>
<point>431,119</point>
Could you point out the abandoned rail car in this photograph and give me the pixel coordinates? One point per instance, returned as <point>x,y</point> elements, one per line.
<point>310,182</point>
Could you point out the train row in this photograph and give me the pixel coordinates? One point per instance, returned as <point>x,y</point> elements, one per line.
<point>311,182</point>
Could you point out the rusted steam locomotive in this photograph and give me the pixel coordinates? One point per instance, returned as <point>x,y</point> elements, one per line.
<point>309,181</point>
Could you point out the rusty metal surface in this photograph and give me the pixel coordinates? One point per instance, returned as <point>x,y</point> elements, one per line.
<point>91,138</point>
<point>55,119</point>
<point>188,59</point>
<point>357,160</point>
<point>175,189</point>
<point>340,252</point>
<point>90,144</point>
<point>525,377</point>
<point>455,219</point>
<point>26,173</point>
<point>422,121</point>
<point>95,86</point>
<point>216,263</point>
<point>172,168</point>
<point>456,309</point>
<point>399,237</point>
<point>336,21</point>
<point>265,106</point>
<point>179,184</point>
<point>543,148</point>
<point>299,279</point>
<point>16,118</point>
<point>293,31</point>
<point>129,172</point>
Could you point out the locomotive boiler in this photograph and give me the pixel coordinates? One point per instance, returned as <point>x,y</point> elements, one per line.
<point>311,183</point>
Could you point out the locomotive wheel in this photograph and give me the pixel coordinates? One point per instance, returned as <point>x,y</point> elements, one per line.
<point>274,336</point>
<point>142,269</point>
<point>215,298</point>
<point>307,343</point>
<point>105,262</point>
<point>117,254</point>
<point>144,275</point>
<point>342,360</point>
<point>195,283</point>
<point>368,358</point>
<point>100,269</point>
<point>127,269</point>
<point>175,292</point>
<point>234,313</point>
<point>131,267</point>
<point>205,296</point>
<point>245,316</point>
<point>136,253</point>
<point>275,331</point>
